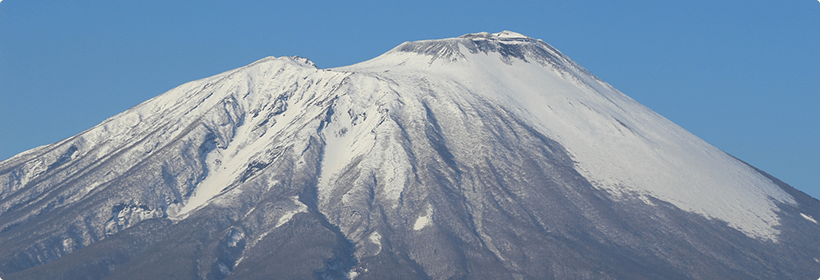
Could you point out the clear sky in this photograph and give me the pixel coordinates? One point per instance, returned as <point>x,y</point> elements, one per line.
<point>742,75</point>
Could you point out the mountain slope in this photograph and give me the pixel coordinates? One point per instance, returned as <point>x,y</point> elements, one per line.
<point>488,156</point>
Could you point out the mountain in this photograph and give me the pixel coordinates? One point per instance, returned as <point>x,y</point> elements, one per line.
<point>487,156</point>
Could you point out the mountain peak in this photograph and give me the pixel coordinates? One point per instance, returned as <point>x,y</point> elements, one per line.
<point>503,35</point>
<point>487,156</point>
<point>510,45</point>
<point>510,34</point>
<point>506,47</point>
<point>296,60</point>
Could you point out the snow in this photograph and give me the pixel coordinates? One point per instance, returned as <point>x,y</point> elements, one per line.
<point>421,223</point>
<point>619,145</point>
<point>509,35</point>
<point>248,143</point>
<point>236,237</point>
<point>354,272</point>
<point>424,220</point>
<point>69,244</point>
<point>376,238</point>
<point>346,139</point>
<point>808,218</point>
<point>302,208</point>
<point>227,165</point>
<point>362,114</point>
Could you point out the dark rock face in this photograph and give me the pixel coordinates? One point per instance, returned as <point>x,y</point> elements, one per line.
<point>281,170</point>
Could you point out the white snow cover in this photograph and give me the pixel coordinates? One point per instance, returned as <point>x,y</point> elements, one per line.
<point>424,220</point>
<point>255,88</point>
<point>509,34</point>
<point>808,218</point>
<point>619,145</point>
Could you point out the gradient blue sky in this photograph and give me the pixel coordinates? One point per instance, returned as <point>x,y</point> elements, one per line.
<point>743,75</point>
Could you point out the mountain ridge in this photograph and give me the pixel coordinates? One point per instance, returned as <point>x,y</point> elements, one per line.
<point>506,162</point>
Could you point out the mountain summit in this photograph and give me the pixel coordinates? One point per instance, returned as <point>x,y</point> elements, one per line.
<point>487,156</point>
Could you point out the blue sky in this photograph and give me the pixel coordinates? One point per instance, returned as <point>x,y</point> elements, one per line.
<point>742,75</point>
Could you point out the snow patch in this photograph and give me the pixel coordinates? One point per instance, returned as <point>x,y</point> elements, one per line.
<point>376,238</point>
<point>223,268</point>
<point>809,218</point>
<point>421,223</point>
<point>302,208</point>
<point>424,220</point>
<point>646,200</point>
<point>69,245</point>
<point>353,273</point>
<point>286,217</point>
<point>236,237</point>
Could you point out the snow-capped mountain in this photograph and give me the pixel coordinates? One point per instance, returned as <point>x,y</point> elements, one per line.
<point>487,156</point>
